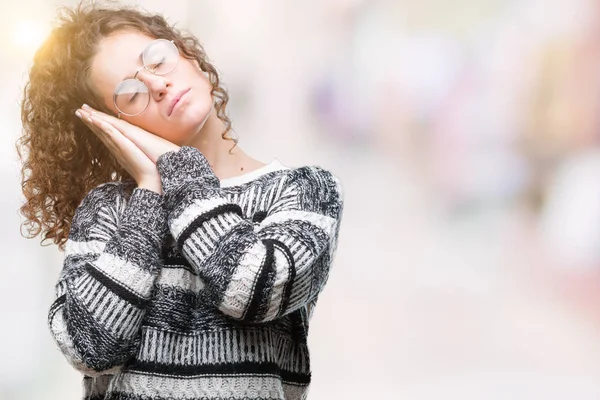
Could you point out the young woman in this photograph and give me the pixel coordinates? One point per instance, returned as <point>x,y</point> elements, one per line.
<point>190,268</point>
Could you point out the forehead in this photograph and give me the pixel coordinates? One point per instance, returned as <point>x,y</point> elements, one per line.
<point>117,57</point>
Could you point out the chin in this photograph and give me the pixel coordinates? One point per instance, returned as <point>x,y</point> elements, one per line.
<point>200,110</point>
<point>193,120</point>
<point>192,130</point>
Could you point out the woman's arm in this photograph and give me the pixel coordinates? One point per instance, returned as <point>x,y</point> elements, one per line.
<point>255,272</point>
<point>112,258</point>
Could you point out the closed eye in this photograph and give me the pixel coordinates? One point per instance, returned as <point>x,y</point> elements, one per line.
<point>133,97</point>
<point>158,64</point>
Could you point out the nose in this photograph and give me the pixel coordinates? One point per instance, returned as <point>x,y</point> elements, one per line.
<point>157,84</point>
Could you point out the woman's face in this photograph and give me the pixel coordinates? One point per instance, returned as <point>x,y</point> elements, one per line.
<point>119,57</point>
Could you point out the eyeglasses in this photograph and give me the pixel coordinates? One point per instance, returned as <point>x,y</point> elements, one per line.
<point>132,96</point>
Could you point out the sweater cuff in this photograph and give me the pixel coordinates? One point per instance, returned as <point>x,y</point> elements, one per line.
<point>183,166</point>
<point>146,210</point>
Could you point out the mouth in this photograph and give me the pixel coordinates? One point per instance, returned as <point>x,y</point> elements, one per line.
<point>176,100</point>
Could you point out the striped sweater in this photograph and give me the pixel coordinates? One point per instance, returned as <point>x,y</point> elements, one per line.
<point>204,292</point>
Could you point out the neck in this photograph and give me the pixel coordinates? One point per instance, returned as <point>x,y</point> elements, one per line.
<point>213,146</point>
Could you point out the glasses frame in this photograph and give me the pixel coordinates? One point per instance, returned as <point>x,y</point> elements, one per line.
<point>144,66</point>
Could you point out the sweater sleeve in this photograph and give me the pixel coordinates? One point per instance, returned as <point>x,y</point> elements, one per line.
<point>111,260</point>
<point>254,271</point>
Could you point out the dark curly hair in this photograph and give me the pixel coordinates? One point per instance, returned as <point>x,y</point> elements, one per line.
<point>61,162</point>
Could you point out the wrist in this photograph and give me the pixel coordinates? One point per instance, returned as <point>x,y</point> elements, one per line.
<point>178,168</point>
<point>151,184</point>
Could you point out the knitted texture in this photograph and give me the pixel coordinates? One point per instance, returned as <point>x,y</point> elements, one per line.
<point>205,292</point>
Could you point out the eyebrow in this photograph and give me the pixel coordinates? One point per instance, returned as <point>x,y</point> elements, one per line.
<point>139,60</point>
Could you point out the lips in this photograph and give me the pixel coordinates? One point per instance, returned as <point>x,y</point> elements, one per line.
<point>176,100</point>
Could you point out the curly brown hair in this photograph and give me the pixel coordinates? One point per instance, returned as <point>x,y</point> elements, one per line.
<point>61,161</point>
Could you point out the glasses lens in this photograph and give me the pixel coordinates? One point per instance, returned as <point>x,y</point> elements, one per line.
<point>131,97</point>
<point>161,57</point>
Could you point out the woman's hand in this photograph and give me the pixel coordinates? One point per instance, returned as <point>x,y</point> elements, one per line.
<point>134,148</point>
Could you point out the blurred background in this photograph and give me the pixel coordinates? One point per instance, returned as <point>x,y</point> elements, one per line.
<point>467,138</point>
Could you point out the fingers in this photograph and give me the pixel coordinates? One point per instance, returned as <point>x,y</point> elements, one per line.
<point>149,143</point>
<point>127,154</point>
<point>110,136</point>
<point>122,126</point>
<point>117,129</point>
<point>99,128</point>
<point>102,116</point>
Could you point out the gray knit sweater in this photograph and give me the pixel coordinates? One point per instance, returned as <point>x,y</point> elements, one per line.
<point>204,292</point>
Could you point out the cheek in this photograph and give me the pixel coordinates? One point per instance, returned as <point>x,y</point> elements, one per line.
<point>152,122</point>
<point>180,130</point>
<point>198,79</point>
<point>203,100</point>
<point>149,120</point>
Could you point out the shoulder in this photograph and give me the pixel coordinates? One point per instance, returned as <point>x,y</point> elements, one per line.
<point>107,198</point>
<point>106,194</point>
<point>100,208</point>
